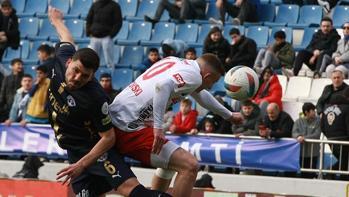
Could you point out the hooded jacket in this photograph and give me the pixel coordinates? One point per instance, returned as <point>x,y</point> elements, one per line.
<point>249,126</point>
<point>104,19</point>
<point>189,122</point>
<point>326,96</point>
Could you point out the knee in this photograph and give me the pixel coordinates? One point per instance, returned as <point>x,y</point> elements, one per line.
<point>191,166</point>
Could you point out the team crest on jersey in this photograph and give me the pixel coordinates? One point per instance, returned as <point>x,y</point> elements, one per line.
<point>103,157</point>
<point>71,101</point>
<point>179,79</point>
<point>105,108</point>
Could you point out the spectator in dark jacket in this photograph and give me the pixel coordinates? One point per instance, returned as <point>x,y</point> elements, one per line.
<point>240,10</point>
<point>9,33</point>
<point>242,52</point>
<point>179,10</point>
<point>103,22</point>
<point>215,43</point>
<point>45,57</point>
<point>278,55</point>
<point>251,118</point>
<point>335,126</point>
<point>276,123</point>
<point>106,83</point>
<point>336,88</point>
<point>9,87</point>
<point>324,42</point>
<point>153,57</point>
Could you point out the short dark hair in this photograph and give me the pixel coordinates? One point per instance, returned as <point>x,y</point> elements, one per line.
<point>25,75</point>
<point>307,107</point>
<point>280,34</point>
<point>214,63</point>
<point>153,50</point>
<point>42,68</point>
<point>16,60</point>
<point>88,57</point>
<point>190,49</point>
<point>45,48</point>
<point>105,75</point>
<point>247,102</point>
<point>328,19</point>
<point>6,4</point>
<point>166,49</point>
<point>234,31</point>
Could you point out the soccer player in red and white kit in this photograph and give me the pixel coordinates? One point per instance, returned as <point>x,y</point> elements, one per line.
<point>137,113</point>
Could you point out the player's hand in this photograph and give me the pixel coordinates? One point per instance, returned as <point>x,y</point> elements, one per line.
<point>159,141</point>
<point>70,173</point>
<point>54,14</point>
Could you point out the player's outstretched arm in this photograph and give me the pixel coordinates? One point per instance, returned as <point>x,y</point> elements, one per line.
<point>56,18</point>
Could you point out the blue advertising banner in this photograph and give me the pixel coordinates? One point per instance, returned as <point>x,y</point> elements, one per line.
<point>280,154</point>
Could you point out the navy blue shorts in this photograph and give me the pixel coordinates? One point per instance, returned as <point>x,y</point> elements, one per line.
<point>108,173</point>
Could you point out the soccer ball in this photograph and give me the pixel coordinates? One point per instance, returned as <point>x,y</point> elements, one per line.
<point>241,83</point>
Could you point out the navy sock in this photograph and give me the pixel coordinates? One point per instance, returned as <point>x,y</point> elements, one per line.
<point>140,190</point>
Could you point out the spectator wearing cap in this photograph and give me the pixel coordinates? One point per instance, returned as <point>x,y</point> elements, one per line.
<point>279,55</point>
<point>215,43</point>
<point>251,118</point>
<point>37,98</point>
<point>340,58</point>
<point>243,50</point>
<point>106,83</point>
<point>9,33</point>
<point>307,127</point>
<point>270,90</point>
<point>190,54</point>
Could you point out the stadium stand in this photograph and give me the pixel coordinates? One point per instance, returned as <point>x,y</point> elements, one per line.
<point>131,55</point>
<point>340,15</point>
<point>162,31</point>
<point>145,7</point>
<point>33,8</point>
<point>128,7</point>
<point>308,15</point>
<point>297,87</point>
<point>79,8</point>
<point>287,13</point>
<point>139,31</point>
<point>288,31</point>
<point>259,34</point>
<point>187,32</point>
<point>121,78</point>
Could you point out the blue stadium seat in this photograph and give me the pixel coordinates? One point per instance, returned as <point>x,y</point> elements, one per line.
<point>165,16</point>
<point>18,5</point>
<point>131,55</point>
<point>307,35</point>
<point>218,86</point>
<point>212,10</point>
<point>11,54</point>
<point>188,32</point>
<point>128,7</point>
<point>62,5</point>
<point>25,47</point>
<point>227,29</point>
<point>205,28</point>
<point>276,2</point>
<point>146,7</point>
<point>122,77</point>
<point>30,69</point>
<point>76,27</point>
<point>259,34</point>
<point>28,26</point>
<point>123,33</point>
<point>116,54</point>
<point>198,51</point>
<point>340,15</point>
<point>33,7</point>
<point>266,12</point>
<point>101,70</point>
<point>308,15</point>
<point>287,13</point>
<point>139,31</point>
<point>45,31</point>
<point>162,31</point>
<point>79,8</point>
<point>287,30</point>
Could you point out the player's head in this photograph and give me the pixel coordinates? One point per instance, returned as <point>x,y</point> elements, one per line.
<point>247,107</point>
<point>105,81</point>
<point>44,52</point>
<point>17,65</point>
<point>41,73</point>
<point>153,55</point>
<point>6,8</point>
<point>190,53</point>
<point>309,110</point>
<point>211,69</point>
<point>185,106</point>
<point>273,111</point>
<point>27,82</point>
<point>81,68</point>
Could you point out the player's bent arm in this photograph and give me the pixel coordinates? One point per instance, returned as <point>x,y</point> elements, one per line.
<point>106,142</point>
<point>206,100</point>
<point>56,18</point>
<point>163,90</point>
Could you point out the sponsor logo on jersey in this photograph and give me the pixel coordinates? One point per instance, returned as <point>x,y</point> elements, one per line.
<point>135,88</point>
<point>103,158</point>
<point>71,101</point>
<point>105,108</point>
<point>179,79</point>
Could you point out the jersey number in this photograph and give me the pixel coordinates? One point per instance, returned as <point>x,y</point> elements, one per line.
<point>162,67</point>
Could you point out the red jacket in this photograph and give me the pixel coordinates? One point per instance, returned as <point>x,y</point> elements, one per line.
<point>271,94</point>
<point>187,124</point>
